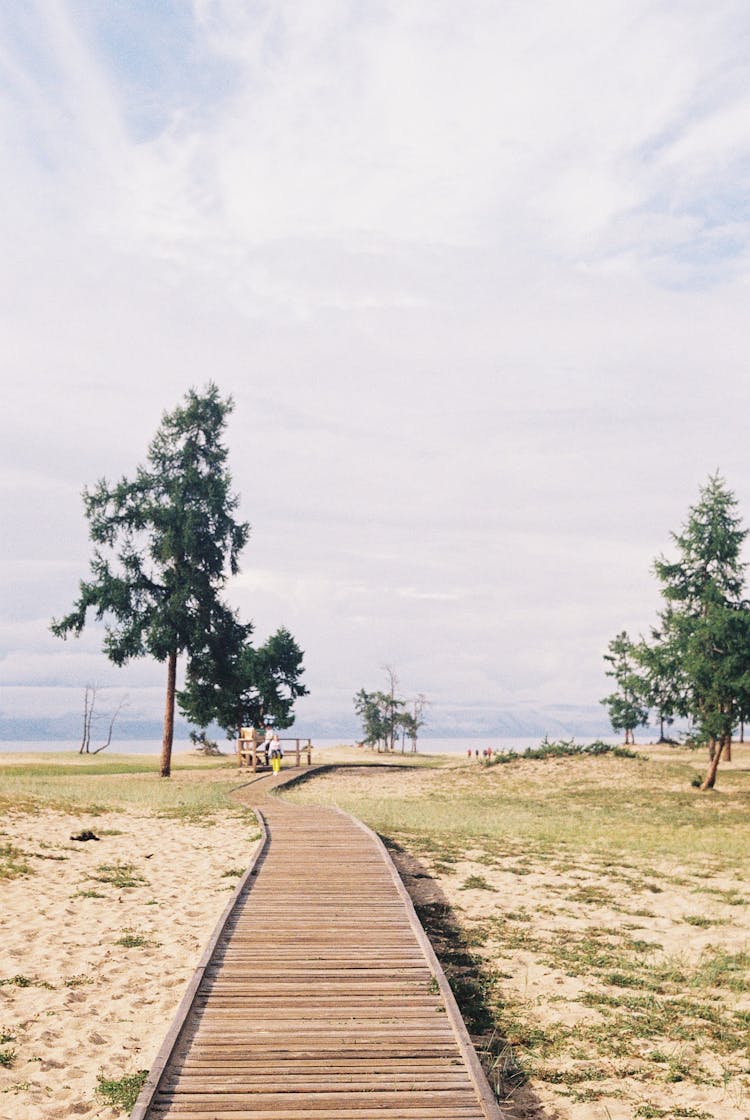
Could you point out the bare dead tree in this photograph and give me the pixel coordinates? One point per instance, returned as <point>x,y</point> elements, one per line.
<point>393,705</point>
<point>114,716</point>
<point>418,705</point>
<point>89,703</point>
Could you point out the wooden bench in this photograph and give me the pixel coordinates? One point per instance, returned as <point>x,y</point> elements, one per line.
<point>252,751</point>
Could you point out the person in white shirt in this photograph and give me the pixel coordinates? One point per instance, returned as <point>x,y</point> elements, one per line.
<point>277,753</point>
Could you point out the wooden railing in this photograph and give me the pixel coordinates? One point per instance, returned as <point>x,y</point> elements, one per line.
<point>252,752</point>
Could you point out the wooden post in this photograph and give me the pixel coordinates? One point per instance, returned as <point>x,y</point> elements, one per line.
<point>255,756</point>
<point>309,751</point>
<point>296,747</point>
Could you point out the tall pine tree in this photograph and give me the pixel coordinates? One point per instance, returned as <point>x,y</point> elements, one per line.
<point>165,544</point>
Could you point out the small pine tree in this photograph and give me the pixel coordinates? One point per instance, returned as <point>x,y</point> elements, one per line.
<point>625,706</point>
<point>244,687</point>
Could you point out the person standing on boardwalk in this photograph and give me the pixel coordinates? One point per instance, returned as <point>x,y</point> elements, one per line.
<point>276,754</point>
<point>268,742</point>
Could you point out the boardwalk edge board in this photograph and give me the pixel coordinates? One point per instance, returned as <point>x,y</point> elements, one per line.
<point>168,1046</point>
<point>466,1046</point>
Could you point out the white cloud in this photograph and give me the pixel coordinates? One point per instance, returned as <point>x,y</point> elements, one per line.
<point>478,288</point>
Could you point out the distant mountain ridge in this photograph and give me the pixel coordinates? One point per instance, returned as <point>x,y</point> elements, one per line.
<point>476,721</point>
<point>444,722</point>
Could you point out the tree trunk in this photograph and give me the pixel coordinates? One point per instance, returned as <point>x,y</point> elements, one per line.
<point>726,750</point>
<point>166,746</point>
<point>88,715</point>
<point>85,719</point>
<point>715,755</point>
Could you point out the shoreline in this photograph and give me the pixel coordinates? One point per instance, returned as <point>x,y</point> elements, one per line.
<point>438,745</point>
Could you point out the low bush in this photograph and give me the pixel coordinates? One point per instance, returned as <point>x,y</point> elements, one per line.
<point>560,748</point>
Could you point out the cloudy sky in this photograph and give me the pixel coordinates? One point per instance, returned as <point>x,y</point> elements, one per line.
<point>476,278</point>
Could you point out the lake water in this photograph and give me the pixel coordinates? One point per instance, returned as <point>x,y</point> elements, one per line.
<point>426,746</point>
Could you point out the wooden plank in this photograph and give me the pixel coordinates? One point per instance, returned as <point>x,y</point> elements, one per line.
<point>300,1112</point>
<point>318,999</point>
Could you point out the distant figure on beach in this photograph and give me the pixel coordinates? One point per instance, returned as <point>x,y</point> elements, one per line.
<point>277,753</point>
<point>468,752</point>
<point>267,741</point>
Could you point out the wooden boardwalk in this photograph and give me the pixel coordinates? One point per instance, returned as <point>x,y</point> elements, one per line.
<point>320,998</point>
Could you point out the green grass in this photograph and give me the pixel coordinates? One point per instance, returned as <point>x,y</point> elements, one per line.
<point>197,792</point>
<point>7,1058</point>
<point>608,836</point>
<point>17,981</point>
<point>729,898</point>
<point>720,969</point>
<point>12,862</point>
<point>120,875</point>
<point>79,981</point>
<point>475,883</point>
<point>20,981</point>
<point>654,1112</point>
<point>590,806</point>
<point>122,1092</point>
<point>132,939</point>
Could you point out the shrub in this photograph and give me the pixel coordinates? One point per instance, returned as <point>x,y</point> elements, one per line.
<point>561,748</point>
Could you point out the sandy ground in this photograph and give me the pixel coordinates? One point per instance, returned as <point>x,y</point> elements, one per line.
<point>544,902</point>
<point>541,922</point>
<point>93,1007</point>
<point>90,1006</point>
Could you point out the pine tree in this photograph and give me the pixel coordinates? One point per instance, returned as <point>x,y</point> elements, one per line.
<point>373,709</point>
<point>705,626</point>
<point>239,686</point>
<point>165,544</point>
<point>664,685</point>
<point>625,706</point>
